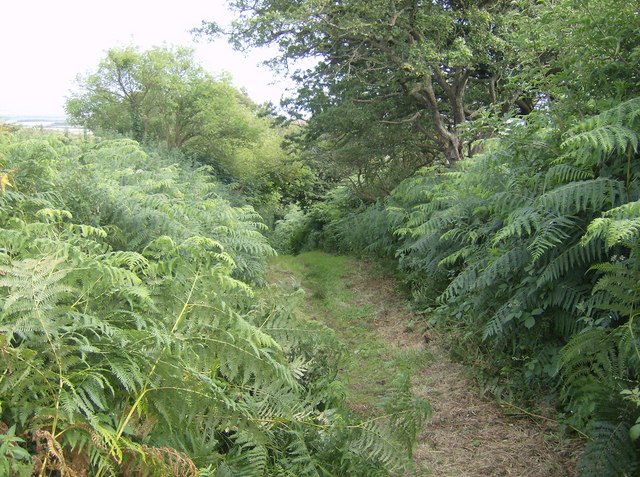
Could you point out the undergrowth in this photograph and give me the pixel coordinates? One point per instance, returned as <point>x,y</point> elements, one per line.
<point>528,255</point>
<point>132,341</point>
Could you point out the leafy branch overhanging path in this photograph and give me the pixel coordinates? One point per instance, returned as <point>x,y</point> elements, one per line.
<point>468,435</point>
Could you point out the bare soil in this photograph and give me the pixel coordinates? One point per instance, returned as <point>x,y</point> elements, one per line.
<point>468,435</point>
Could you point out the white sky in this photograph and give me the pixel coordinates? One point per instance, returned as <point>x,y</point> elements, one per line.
<point>45,44</point>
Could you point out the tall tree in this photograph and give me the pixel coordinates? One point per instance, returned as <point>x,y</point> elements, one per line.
<point>160,95</point>
<point>112,97</point>
<point>407,68</point>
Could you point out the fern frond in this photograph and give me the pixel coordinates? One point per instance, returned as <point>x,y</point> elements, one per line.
<point>521,222</point>
<point>614,231</point>
<point>602,141</point>
<point>620,283</point>
<point>457,256</point>
<point>582,196</point>
<point>564,173</point>
<point>592,140</point>
<point>510,263</point>
<point>550,233</point>
<point>34,286</point>
<point>574,257</point>
<point>570,297</point>
<point>465,281</point>
<point>248,459</point>
<point>611,452</point>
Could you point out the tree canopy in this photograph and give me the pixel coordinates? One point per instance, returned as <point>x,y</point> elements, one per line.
<point>161,96</point>
<point>397,85</point>
<point>398,79</point>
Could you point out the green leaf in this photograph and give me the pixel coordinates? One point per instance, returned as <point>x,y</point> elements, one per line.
<point>529,322</point>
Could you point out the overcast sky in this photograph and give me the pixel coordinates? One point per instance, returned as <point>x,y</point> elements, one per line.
<point>44,44</point>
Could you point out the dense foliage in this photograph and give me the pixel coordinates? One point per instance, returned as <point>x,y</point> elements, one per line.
<point>162,97</point>
<point>491,148</point>
<point>528,255</point>
<point>132,341</point>
<point>394,83</point>
<point>526,250</point>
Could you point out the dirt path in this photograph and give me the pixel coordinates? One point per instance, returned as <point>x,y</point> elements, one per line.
<point>468,435</point>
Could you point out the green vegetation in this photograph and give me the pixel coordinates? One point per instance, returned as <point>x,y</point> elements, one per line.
<point>492,148</point>
<point>527,255</point>
<point>160,97</point>
<point>131,341</point>
<point>368,363</point>
<point>489,149</point>
<point>393,78</point>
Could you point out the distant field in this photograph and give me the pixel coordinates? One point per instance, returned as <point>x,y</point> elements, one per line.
<point>56,123</point>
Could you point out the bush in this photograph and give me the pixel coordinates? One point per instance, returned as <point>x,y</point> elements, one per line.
<point>130,338</point>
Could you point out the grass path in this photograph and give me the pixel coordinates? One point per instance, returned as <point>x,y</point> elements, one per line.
<point>467,435</point>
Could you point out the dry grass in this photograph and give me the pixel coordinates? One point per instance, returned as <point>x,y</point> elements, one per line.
<point>468,435</point>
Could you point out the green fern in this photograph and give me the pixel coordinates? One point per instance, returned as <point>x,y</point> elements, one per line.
<point>574,257</point>
<point>610,453</point>
<point>617,226</point>
<point>551,232</point>
<point>583,196</point>
<point>613,132</point>
<point>521,222</point>
<point>564,173</point>
<point>131,340</point>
